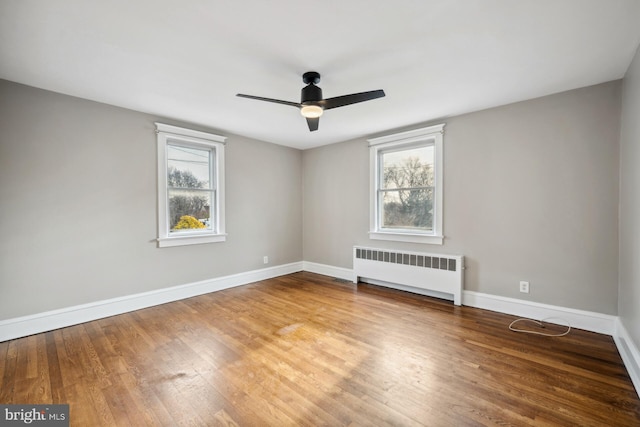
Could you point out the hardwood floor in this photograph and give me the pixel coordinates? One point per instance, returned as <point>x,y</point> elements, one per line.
<point>305,349</point>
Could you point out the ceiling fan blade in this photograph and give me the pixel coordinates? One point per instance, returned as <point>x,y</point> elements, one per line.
<point>277,101</point>
<point>341,101</point>
<point>313,123</point>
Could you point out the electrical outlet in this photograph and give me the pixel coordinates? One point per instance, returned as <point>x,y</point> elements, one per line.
<point>524,287</point>
<point>265,259</point>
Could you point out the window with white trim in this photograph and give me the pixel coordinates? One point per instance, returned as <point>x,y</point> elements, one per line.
<point>190,186</point>
<point>406,186</point>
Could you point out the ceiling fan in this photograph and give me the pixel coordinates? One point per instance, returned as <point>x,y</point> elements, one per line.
<point>312,105</point>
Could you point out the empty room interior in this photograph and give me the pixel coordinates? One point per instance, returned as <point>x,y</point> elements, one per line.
<point>343,213</point>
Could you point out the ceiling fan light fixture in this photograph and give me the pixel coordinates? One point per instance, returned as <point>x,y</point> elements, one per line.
<point>311,111</point>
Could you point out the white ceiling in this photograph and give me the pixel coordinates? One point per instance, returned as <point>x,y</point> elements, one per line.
<point>186,60</point>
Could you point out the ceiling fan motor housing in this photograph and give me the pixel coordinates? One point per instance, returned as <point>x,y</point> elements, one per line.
<point>310,94</point>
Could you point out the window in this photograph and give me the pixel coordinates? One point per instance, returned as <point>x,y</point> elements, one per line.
<point>190,186</point>
<point>406,186</point>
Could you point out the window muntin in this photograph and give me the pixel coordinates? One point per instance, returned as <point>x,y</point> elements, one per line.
<point>190,186</point>
<point>406,186</point>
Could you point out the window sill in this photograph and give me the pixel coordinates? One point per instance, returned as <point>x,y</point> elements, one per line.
<point>165,242</point>
<point>406,237</point>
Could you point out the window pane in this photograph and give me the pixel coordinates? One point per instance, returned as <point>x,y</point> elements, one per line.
<point>408,209</point>
<point>408,168</point>
<point>188,167</point>
<point>190,210</point>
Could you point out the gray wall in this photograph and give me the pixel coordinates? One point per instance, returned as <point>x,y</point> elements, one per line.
<point>629,306</point>
<point>78,205</point>
<point>531,193</point>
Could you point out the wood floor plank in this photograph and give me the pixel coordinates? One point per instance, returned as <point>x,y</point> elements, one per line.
<point>5,365</point>
<point>310,350</point>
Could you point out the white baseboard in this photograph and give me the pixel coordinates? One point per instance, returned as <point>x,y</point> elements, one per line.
<point>629,353</point>
<point>50,320</point>
<point>587,320</point>
<point>328,270</point>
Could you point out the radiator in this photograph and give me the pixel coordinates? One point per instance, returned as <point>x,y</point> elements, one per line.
<point>434,272</point>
